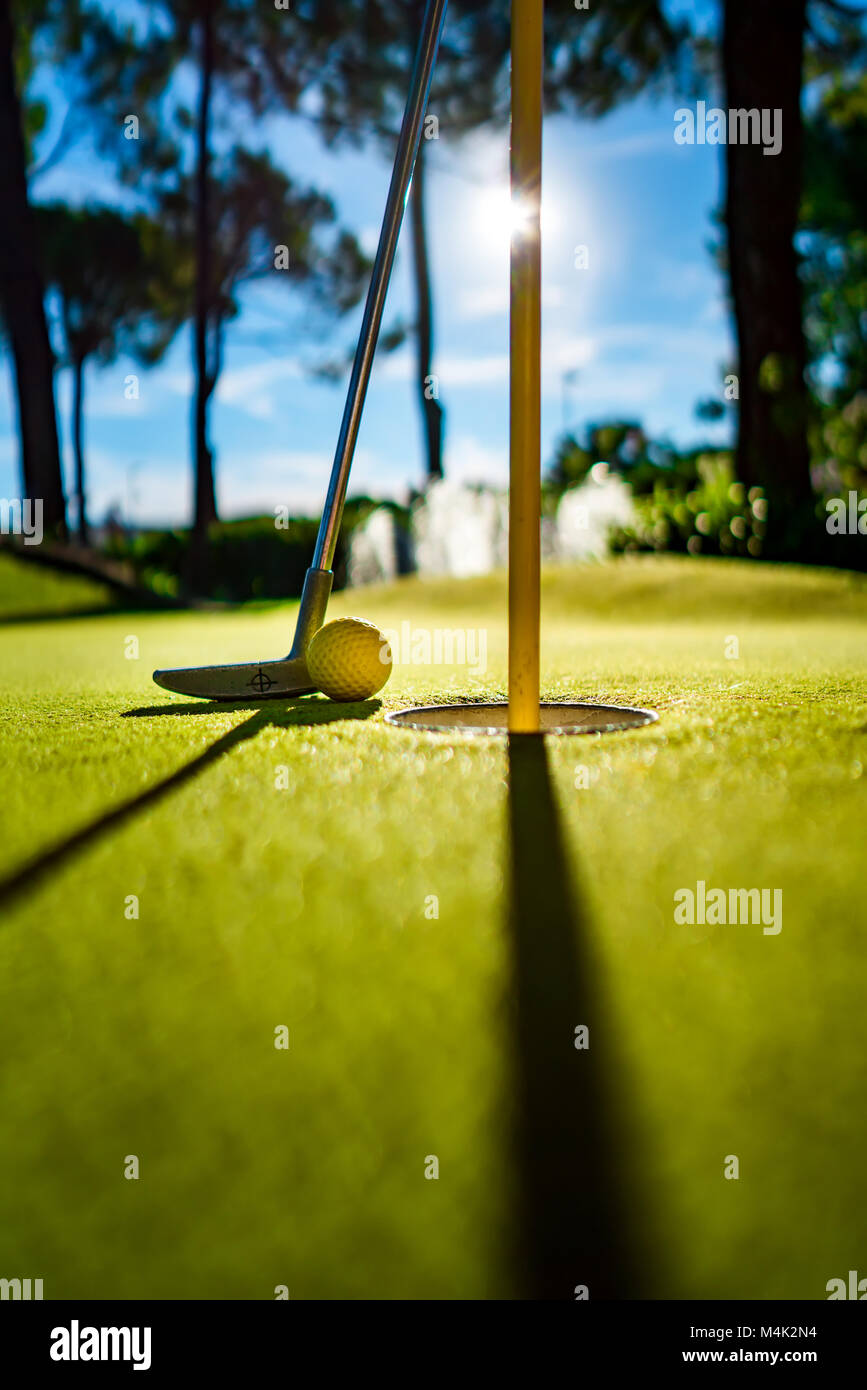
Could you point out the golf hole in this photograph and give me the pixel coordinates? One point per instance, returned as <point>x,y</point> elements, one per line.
<point>566,718</point>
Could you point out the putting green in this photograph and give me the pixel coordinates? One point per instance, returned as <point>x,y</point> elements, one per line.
<point>308,867</point>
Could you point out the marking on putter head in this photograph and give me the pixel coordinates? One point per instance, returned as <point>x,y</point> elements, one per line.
<point>261,681</point>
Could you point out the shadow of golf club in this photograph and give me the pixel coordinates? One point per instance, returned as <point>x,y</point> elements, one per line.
<point>572,1225</point>
<point>25,619</point>
<point>306,709</point>
<point>30,875</point>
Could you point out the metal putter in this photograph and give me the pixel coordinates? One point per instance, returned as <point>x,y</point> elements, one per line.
<point>288,676</point>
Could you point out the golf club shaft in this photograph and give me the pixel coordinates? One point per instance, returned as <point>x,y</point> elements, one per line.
<point>407,149</point>
<point>525,355</point>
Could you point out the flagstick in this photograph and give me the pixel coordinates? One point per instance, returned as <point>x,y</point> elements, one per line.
<point>525,497</point>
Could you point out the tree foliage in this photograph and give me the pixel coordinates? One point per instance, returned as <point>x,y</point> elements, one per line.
<point>834,219</point>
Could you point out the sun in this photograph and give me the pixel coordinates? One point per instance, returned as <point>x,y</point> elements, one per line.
<point>499,219</point>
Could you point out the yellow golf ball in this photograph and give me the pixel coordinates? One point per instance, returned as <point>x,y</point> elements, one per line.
<point>349,659</point>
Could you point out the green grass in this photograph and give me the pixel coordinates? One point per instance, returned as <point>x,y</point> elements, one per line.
<point>28,590</point>
<point>305,906</point>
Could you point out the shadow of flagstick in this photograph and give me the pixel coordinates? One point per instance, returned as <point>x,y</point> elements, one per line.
<point>573,1223</point>
<point>31,874</point>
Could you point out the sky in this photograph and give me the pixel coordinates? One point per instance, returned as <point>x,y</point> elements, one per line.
<point>643,332</point>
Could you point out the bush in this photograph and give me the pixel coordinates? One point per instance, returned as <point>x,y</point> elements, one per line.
<point>249,559</point>
<point>719,516</point>
<point>624,447</point>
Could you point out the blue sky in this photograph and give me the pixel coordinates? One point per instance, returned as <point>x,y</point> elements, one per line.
<point>644,332</point>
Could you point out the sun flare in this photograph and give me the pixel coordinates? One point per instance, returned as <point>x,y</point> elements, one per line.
<point>500,219</point>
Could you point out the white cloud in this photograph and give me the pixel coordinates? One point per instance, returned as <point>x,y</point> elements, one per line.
<point>104,394</point>
<point>553,296</point>
<point>562,353</point>
<point>178,380</point>
<point>492,301</point>
<point>248,388</point>
<point>689,280</point>
<point>370,474</point>
<point>368,239</point>
<point>283,477</point>
<point>483,301</point>
<point>684,344</point>
<point>468,460</point>
<point>158,492</point>
<point>453,372</point>
<point>473,371</point>
<point>625,389</point>
<point>148,490</point>
<point>395,366</point>
<point>628,146</point>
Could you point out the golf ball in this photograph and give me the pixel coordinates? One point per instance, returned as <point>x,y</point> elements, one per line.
<point>349,659</point>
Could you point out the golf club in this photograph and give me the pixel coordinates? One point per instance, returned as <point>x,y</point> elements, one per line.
<point>288,675</point>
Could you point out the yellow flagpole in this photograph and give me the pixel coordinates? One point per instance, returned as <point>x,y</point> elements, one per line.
<point>525,497</point>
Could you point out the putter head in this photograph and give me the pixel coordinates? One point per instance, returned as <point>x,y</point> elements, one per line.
<point>262,680</point>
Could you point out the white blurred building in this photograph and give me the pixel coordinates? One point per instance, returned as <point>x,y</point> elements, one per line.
<point>375,550</point>
<point>587,513</point>
<point>462,531</point>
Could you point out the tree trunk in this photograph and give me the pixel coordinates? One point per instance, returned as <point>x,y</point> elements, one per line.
<point>431,410</point>
<point>82,528</point>
<point>22,298</point>
<point>205,497</point>
<point>763,49</point>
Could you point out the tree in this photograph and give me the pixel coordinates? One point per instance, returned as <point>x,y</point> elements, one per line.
<point>766,52</point>
<point>762,202</point>
<point>431,410</point>
<point>22,297</point>
<point>245,59</point>
<point>769,51</point>
<point>118,291</point>
<point>834,226</point>
<point>261,224</point>
<point>620,445</point>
